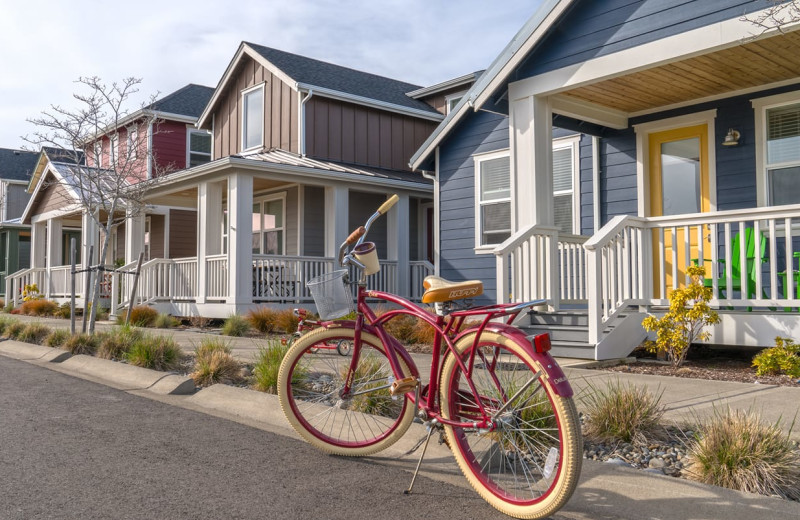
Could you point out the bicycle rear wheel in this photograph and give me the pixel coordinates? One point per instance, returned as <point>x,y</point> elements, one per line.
<point>310,382</point>
<point>529,464</point>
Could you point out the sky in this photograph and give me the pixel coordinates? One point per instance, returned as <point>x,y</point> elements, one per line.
<point>46,45</point>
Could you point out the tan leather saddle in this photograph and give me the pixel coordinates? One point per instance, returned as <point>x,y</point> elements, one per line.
<point>439,290</point>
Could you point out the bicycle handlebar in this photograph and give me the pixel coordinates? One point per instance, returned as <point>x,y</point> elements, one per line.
<point>386,206</point>
<point>355,235</point>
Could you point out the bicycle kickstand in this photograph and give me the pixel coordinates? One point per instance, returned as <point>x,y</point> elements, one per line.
<point>431,425</point>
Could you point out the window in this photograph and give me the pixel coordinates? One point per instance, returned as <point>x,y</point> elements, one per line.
<point>565,163</point>
<point>132,143</point>
<point>783,155</point>
<point>452,100</point>
<point>253,118</point>
<point>98,154</point>
<point>147,227</point>
<point>493,193</point>
<point>114,150</point>
<point>199,147</point>
<point>268,226</point>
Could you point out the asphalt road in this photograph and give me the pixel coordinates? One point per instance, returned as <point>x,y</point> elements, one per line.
<point>75,449</point>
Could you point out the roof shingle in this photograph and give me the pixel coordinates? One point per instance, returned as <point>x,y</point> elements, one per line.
<point>17,165</point>
<point>190,100</point>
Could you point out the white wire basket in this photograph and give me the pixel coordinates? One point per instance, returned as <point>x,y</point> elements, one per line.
<point>331,295</point>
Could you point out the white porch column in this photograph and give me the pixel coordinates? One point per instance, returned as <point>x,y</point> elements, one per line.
<point>209,233</point>
<point>337,217</point>
<point>89,237</point>
<point>398,242</point>
<point>38,243</point>
<point>240,240</point>
<point>53,252</point>
<point>532,161</point>
<point>134,237</point>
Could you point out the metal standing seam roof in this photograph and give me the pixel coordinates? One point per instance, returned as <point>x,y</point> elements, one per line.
<point>69,172</point>
<point>17,165</point>
<point>290,159</point>
<point>342,79</point>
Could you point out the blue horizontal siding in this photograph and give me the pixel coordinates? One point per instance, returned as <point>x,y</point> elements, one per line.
<point>592,28</point>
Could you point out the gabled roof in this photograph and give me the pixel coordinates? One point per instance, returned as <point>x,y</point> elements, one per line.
<point>17,165</point>
<point>327,80</point>
<point>517,49</point>
<point>466,79</point>
<point>188,101</point>
<point>50,154</point>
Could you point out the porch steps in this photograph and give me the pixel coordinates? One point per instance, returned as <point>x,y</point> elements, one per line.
<point>569,332</point>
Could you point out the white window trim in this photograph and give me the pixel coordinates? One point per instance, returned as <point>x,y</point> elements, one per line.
<point>191,130</point>
<point>98,153</point>
<point>450,97</point>
<point>113,151</point>
<point>245,92</point>
<point>574,142</point>
<point>477,160</point>
<point>760,107</point>
<point>132,142</point>
<point>269,198</point>
<point>643,132</point>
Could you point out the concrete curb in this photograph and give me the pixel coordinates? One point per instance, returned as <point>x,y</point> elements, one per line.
<point>30,352</point>
<point>128,377</point>
<point>242,402</point>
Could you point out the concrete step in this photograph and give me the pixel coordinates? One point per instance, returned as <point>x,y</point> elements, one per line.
<point>580,319</point>
<point>572,349</point>
<point>571,333</point>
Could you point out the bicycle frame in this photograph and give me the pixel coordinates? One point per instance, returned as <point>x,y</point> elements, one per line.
<point>446,332</point>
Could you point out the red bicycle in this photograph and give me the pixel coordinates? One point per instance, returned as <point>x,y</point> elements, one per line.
<point>498,399</point>
<point>342,347</point>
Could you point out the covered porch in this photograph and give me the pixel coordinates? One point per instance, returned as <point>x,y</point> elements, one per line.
<point>694,162</point>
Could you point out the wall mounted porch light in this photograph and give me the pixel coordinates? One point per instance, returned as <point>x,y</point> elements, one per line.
<point>732,139</point>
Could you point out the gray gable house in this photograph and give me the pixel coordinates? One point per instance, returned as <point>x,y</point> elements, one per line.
<point>16,168</point>
<point>611,146</point>
<point>302,152</point>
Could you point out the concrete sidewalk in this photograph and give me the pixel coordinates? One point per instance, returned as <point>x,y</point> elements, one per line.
<point>686,400</point>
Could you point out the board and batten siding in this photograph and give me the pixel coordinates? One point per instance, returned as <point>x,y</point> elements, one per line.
<point>52,196</point>
<point>182,233</point>
<point>169,147</point>
<point>349,133</point>
<point>280,111</point>
<point>157,236</point>
<point>17,198</point>
<point>361,206</point>
<point>479,132</point>
<point>314,221</point>
<point>591,29</point>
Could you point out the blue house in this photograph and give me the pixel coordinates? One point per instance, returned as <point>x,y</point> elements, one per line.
<point>612,145</point>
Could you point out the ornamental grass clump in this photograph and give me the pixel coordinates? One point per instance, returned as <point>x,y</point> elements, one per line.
<point>621,413</point>
<point>165,321</point>
<point>737,450</point>
<point>14,329</point>
<point>286,321</point>
<point>81,344</point>
<point>38,307</point>
<point>34,333</point>
<point>215,364</point>
<point>141,316</point>
<point>57,338</point>
<point>262,319</point>
<point>5,322</point>
<point>783,358</point>
<point>116,343</point>
<point>683,324</point>
<point>267,365</point>
<point>155,352</point>
<point>235,326</point>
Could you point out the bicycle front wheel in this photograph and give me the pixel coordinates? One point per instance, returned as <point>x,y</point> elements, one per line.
<point>528,465</point>
<point>310,385</point>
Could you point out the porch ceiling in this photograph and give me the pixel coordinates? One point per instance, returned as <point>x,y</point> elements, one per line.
<point>755,63</point>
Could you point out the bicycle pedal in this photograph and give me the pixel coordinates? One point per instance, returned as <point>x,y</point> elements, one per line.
<point>402,386</point>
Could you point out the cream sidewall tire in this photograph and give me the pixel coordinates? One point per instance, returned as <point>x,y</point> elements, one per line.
<point>572,443</point>
<point>299,347</point>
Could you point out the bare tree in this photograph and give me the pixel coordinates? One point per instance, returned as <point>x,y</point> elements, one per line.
<point>777,16</point>
<point>108,164</point>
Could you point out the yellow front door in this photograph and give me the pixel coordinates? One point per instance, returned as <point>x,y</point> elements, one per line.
<point>678,170</point>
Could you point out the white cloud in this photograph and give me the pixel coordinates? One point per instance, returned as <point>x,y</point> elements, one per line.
<point>46,45</point>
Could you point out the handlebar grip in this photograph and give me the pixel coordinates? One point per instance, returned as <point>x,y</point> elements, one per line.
<point>355,235</point>
<point>386,206</point>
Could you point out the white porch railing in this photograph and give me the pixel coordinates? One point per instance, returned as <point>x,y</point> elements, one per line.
<point>283,278</point>
<point>159,279</point>
<point>419,270</point>
<point>16,282</point>
<point>217,277</point>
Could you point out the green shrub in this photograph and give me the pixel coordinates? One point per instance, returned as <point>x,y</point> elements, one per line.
<point>267,365</point>
<point>14,329</point>
<point>81,344</point>
<point>8,307</point>
<point>621,412</point>
<point>783,358</point>
<point>155,352</point>
<point>116,343</point>
<point>235,326</point>
<point>165,321</point>
<point>262,319</point>
<point>57,338</point>
<point>215,364</point>
<point>34,333</point>
<point>38,307</point>
<point>5,321</point>
<point>737,450</point>
<point>286,321</point>
<point>141,316</point>
<point>63,311</point>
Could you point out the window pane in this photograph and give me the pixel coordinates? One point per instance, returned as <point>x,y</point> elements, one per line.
<point>563,212</point>
<point>257,217</point>
<point>197,159</point>
<point>253,118</point>
<point>785,186</point>
<point>680,176</point>
<point>783,134</point>
<point>273,214</point>
<point>495,179</point>
<point>562,169</point>
<point>495,222</point>
<point>273,243</point>
<point>200,142</point>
